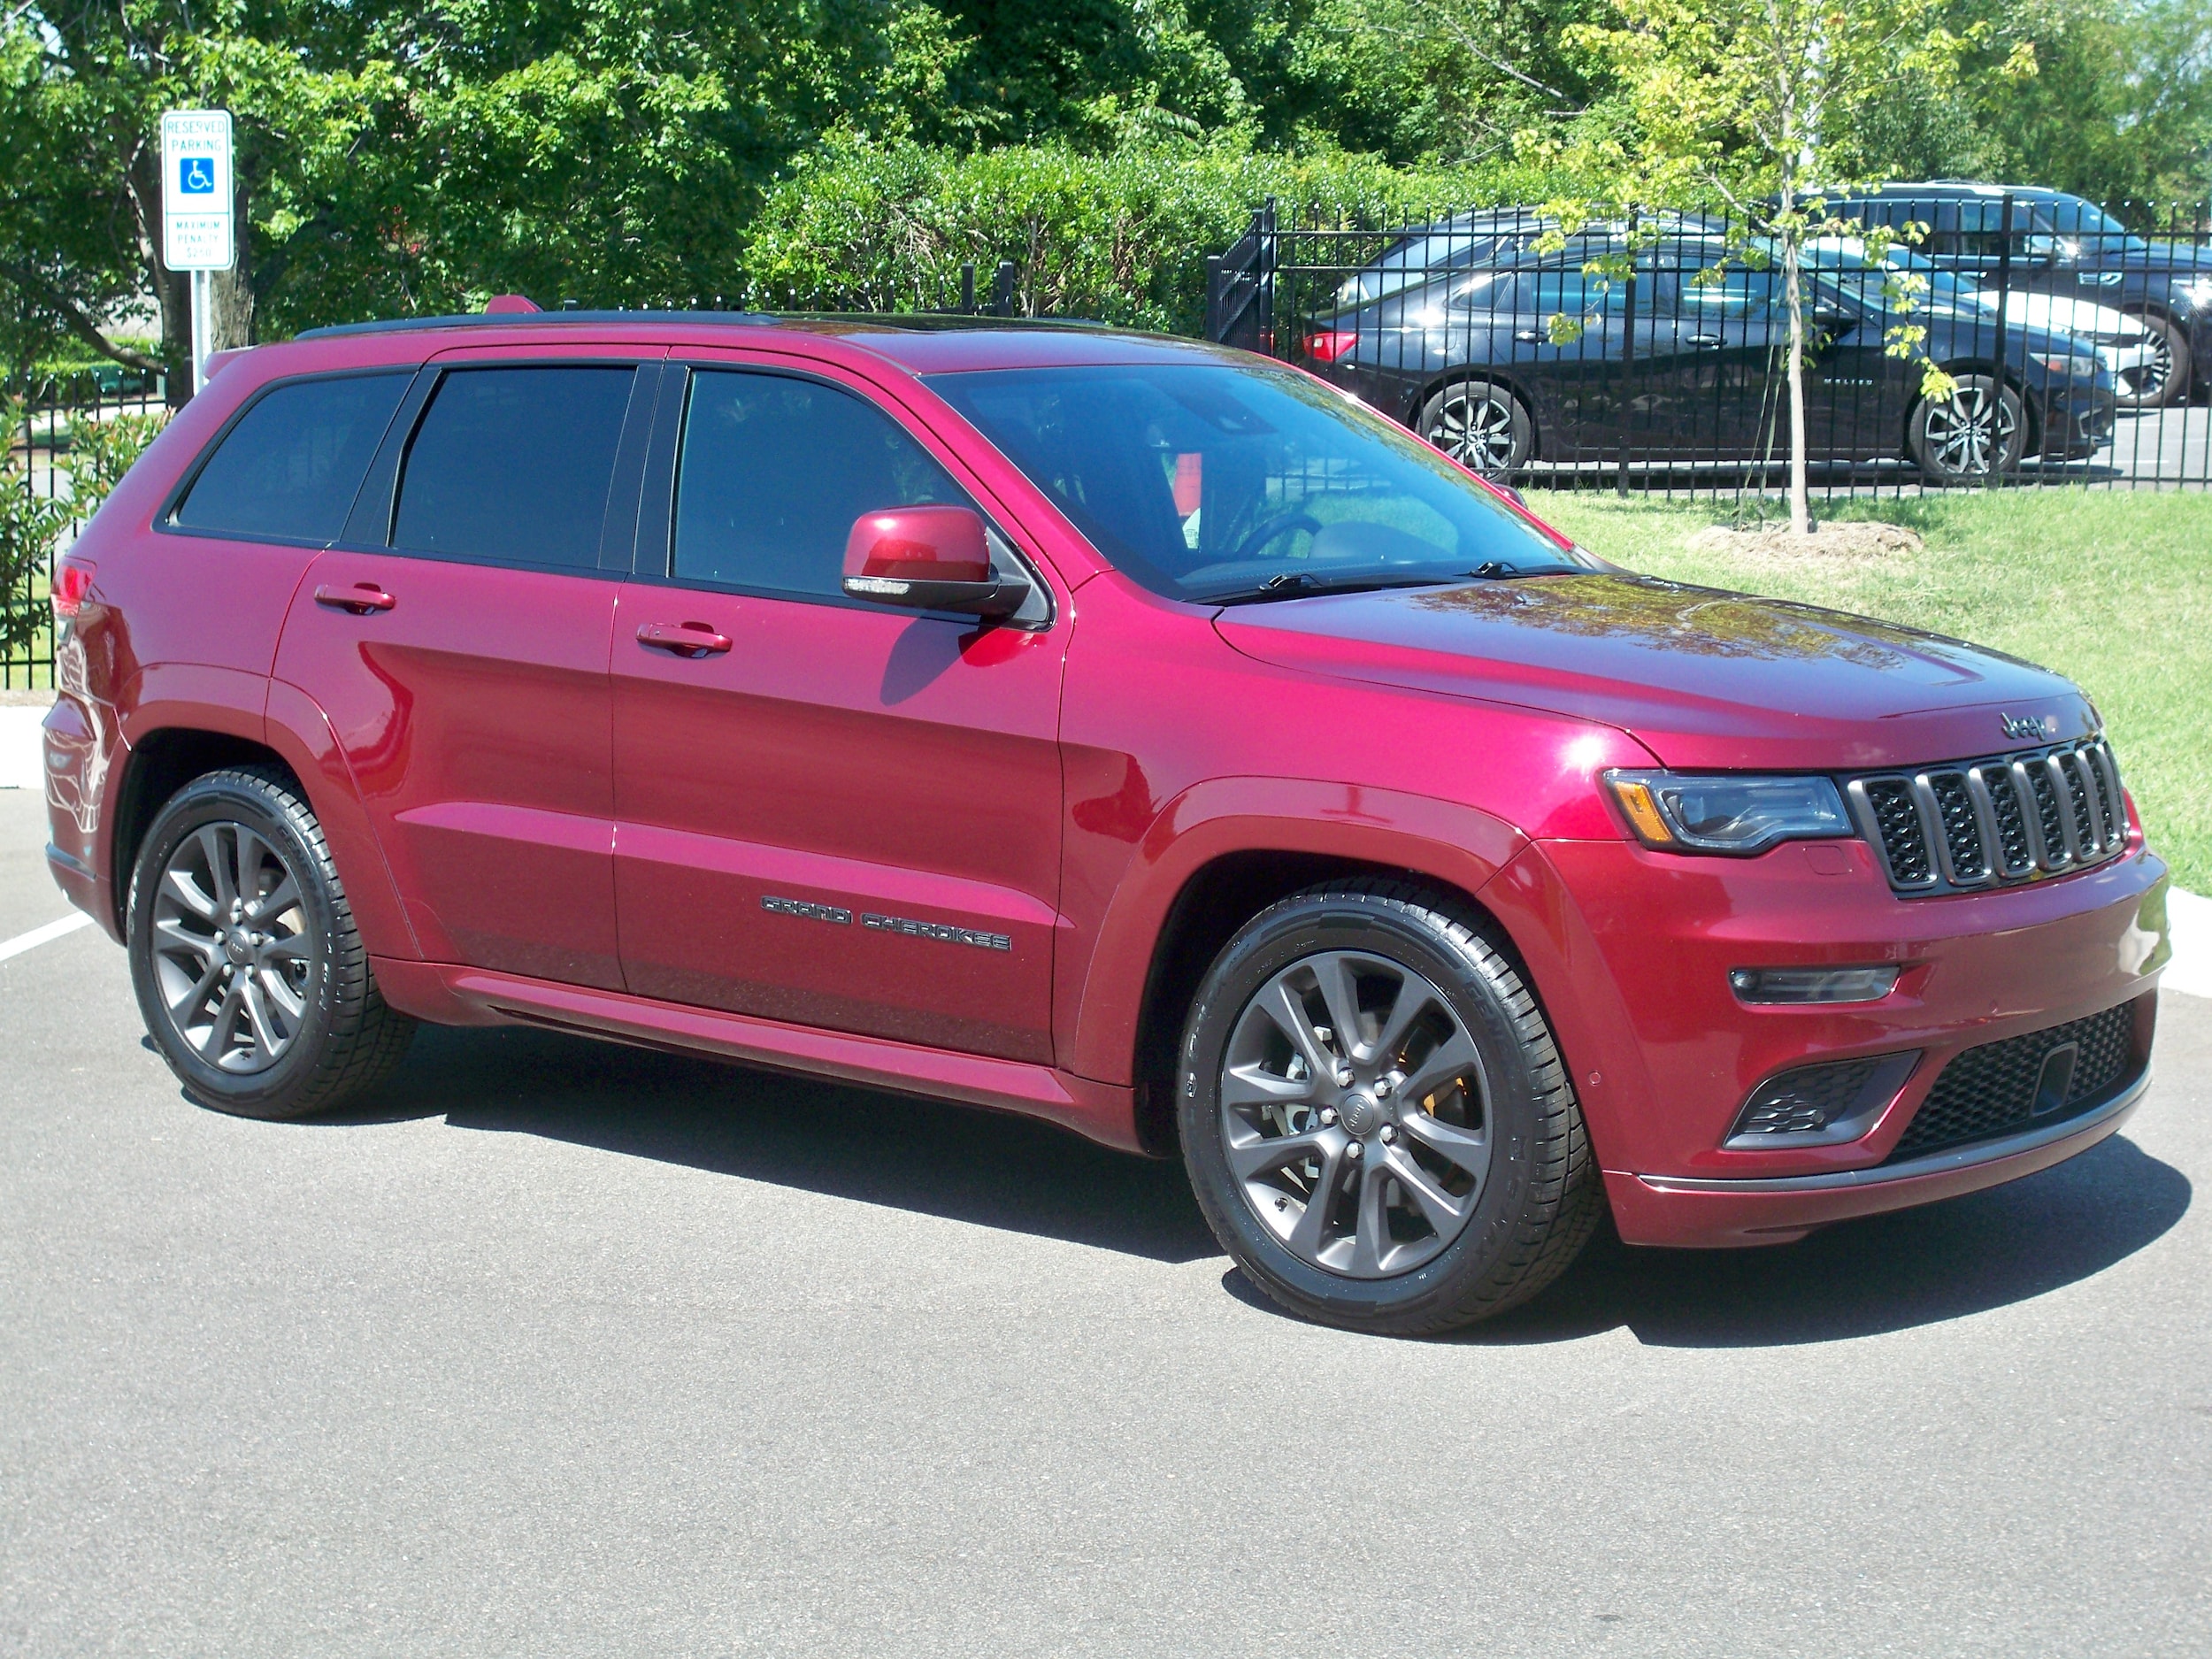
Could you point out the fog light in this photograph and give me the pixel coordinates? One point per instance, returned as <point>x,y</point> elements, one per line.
<point>1820,1105</point>
<point>1813,985</point>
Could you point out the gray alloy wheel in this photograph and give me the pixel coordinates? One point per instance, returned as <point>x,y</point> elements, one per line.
<point>249,972</point>
<point>2164,380</point>
<point>1376,1120</point>
<point>1351,1103</point>
<point>232,949</point>
<point>1481,426</point>
<point>1976,433</point>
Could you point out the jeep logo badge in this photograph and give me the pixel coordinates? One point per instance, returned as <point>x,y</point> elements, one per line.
<point>2020,727</point>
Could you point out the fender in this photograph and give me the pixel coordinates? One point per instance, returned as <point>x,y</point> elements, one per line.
<point>1459,845</point>
<point>301,732</point>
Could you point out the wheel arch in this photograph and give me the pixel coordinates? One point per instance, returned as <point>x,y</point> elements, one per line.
<point>158,764</point>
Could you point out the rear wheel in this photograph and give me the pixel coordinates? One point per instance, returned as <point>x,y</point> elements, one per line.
<point>1375,1117</point>
<point>1481,426</point>
<point>248,971</point>
<point>1977,431</point>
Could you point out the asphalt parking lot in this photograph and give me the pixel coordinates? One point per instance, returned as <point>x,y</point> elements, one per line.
<point>569,1349</point>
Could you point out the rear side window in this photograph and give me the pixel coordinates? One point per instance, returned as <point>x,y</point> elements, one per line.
<point>775,470</point>
<point>511,467</point>
<point>290,466</point>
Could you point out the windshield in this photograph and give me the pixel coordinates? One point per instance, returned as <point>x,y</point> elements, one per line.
<point>1217,481</point>
<point>2090,229</point>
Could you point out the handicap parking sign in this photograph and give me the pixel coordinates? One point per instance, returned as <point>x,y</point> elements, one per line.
<point>195,175</point>
<point>196,209</point>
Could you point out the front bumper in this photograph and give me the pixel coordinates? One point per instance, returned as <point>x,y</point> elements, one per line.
<point>1632,951</point>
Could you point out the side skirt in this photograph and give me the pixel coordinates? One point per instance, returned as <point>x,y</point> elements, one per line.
<point>447,995</point>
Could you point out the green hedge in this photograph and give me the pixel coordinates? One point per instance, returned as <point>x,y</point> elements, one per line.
<point>1119,238</point>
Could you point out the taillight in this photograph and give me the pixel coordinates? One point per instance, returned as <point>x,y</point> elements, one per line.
<point>1330,344</point>
<point>72,581</point>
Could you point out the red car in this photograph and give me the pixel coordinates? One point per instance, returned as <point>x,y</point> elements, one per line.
<point>1116,729</point>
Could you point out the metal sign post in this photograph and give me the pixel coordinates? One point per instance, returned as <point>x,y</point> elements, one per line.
<point>197,197</point>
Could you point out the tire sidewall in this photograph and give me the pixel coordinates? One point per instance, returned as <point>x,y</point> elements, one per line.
<point>1301,928</point>
<point>240,800</point>
<point>1478,390</point>
<point>2006,462</point>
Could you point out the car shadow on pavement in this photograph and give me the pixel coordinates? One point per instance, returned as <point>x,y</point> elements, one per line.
<point>1858,1278</point>
<point>965,1164</point>
<point>1915,1267</point>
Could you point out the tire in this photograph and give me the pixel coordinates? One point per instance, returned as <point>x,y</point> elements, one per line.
<point>274,1014</point>
<point>2167,382</point>
<point>1458,1244</point>
<point>1483,426</point>
<point>1979,430</point>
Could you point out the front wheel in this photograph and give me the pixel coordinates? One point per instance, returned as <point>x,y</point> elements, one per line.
<point>1481,426</point>
<point>250,975</point>
<point>1975,434</point>
<point>2164,379</point>
<point>1375,1117</point>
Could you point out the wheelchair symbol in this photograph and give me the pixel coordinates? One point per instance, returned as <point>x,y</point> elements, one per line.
<point>195,175</point>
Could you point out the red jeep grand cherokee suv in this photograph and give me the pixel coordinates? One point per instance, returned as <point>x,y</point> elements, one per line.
<point>1115,729</point>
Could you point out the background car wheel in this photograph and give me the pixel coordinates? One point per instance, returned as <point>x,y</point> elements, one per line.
<point>1963,439</point>
<point>249,973</point>
<point>1376,1120</point>
<point>1482,426</point>
<point>2164,381</point>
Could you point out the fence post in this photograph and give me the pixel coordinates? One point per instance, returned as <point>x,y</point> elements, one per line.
<point>1213,296</point>
<point>1269,252</point>
<point>2004,344</point>
<point>967,289</point>
<point>1002,289</point>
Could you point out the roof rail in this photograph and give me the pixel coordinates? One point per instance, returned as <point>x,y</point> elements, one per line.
<point>752,319</point>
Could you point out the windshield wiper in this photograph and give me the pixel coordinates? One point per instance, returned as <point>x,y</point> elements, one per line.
<point>1304,584</point>
<point>1301,584</point>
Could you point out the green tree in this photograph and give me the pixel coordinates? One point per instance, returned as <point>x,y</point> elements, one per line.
<point>1757,103</point>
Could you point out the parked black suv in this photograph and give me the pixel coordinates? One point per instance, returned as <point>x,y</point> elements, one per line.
<point>2061,244</point>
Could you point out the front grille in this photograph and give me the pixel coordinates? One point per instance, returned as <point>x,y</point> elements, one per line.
<point>2001,1087</point>
<point>1994,821</point>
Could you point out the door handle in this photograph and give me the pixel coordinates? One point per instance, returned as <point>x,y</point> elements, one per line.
<point>1703,340</point>
<point>360,599</point>
<point>689,639</point>
<point>1528,336</point>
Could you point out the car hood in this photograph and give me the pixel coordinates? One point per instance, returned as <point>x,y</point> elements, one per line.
<point>1702,678</point>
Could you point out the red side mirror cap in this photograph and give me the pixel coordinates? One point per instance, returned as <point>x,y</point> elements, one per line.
<point>928,558</point>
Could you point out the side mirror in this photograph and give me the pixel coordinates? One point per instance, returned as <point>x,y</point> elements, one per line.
<point>2044,250</point>
<point>928,558</point>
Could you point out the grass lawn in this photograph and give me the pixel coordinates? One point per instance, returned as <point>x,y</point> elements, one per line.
<point>2112,589</point>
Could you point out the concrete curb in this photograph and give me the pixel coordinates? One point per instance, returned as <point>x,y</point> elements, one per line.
<point>22,767</point>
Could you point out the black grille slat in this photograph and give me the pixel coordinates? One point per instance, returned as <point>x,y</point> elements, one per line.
<point>2015,854</point>
<point>1904,844</point>
<point>2078,803</point>
<point>2047,819</point>
<point>1991,1090</point>
<point>2005,819</point>
<point>1962,828</point>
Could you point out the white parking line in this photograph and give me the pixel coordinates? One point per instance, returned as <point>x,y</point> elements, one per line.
<point>38,936</point>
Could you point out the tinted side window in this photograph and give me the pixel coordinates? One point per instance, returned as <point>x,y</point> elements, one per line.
<point>773,472</point>
<point>290,466</point>
<point>513,465</point>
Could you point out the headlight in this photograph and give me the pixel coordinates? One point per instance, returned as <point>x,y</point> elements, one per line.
<point>2198,291</point>
<point>1727,814</point>
<point>2067,363</point>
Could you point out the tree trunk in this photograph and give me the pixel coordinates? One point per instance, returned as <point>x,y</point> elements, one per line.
<point>172,289</point>
<point>1793,296</point>
<point>231,306</point>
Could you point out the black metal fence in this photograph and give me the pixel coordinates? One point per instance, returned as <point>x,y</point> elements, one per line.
<point>1648,353</point>
<point>54,451</point>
